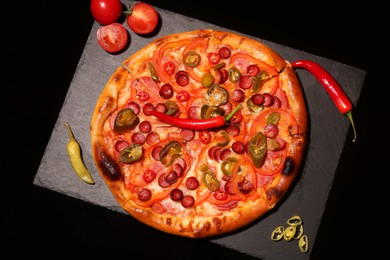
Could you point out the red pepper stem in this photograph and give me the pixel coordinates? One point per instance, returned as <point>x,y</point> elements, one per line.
<point>228,117</point>
<point>349,115</point>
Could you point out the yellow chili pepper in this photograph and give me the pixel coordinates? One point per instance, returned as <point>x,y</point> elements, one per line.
<point>74,152</point>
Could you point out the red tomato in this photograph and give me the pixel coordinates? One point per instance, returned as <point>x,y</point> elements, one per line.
<point>113,37</point>
<point>106,11</point>
<point>143,18</point>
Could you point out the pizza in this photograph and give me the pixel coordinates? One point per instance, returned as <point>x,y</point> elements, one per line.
<point>200,133</point>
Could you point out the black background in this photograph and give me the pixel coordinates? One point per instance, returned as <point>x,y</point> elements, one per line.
<point>41,53</point>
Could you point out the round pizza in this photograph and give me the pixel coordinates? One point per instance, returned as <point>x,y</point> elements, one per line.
<point>200,133</point>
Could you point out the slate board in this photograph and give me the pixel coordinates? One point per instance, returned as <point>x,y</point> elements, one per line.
<point>327,136</point>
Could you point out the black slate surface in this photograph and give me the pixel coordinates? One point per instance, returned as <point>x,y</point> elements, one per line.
<point>328,131</point>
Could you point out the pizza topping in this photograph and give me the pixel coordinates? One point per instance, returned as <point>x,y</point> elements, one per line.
<point>192,183</point>
<point>234,74</point>
<point>176,194</point>
<point>131,153</point>
<point>187,201</point>
<point>170,152</point>
<point>152,72</point>
<point>125,120</point>
<point>210,180</point>
<point>207,80</point>
<point>195,124</point>
<point>257,148</point>
<point>217,95</point>
<point>191,59</point>
<point>166,91</point>
<point>224,52</point>
<point>144,195</point>
<point>182,78</point>
<point>227,166</point>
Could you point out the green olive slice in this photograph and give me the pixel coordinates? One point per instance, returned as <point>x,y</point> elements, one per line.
<point>294,220</point>
<point>303,244</point>
<point>289,233</point>
<point>277,234</point>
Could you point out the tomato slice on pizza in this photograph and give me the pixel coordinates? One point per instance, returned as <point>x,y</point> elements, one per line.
<point>200,133</point>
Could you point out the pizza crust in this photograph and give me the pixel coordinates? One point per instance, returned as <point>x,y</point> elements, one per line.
<point>196,223</point>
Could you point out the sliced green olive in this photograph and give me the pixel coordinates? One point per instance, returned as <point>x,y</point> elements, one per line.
<point>210,180</point>
<point>131,153</point>
<point>191,59</point>
<point>125,120</point>
<point>152,71</point>
<point>257,148</point>
<point>234,74</point>
<point>172,108</point>
<point>217,95</point>
<point>289,233</point>
<point>170,152</point>
<point>298,231</point>
<point>294,220</point>
<point>277,234</point>
<point>303,244</point>
<point>207,80</point>
<point>227,166</point>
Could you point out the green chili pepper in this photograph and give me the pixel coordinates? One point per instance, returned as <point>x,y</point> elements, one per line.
<point>125,120</point>
<point>131,153</point>
<point>257,147</point>
<point>170,152</point>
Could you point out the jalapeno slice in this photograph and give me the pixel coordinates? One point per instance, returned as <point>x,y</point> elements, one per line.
<point>298,231</point>
<point>152,71</point>
<point>257,148</point>
<point>210,111</point>
<point>191,59</point>
<point>303,244</point>
<point>217,95</point>
<point>170,152</point>
<point>125,120</point>
<point>219,66</point>
<point>294,220</point>
<point>131,153</point>
<point>210,180</point>
<point>256,84</point>
<point>254,108</point>
<point>234,74</point>
<point>277,234</point>
<point>227,166</point>
<point>289,233</point>
<point>172,108</point>
<point>225,141</point>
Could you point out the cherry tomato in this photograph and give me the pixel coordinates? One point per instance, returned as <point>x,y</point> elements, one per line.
<point>142,18</point>
<point>106,11</point>
<point>112,37</point>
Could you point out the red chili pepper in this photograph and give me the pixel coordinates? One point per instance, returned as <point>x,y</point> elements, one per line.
<point>195,124</point>
<point>331,86</point>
